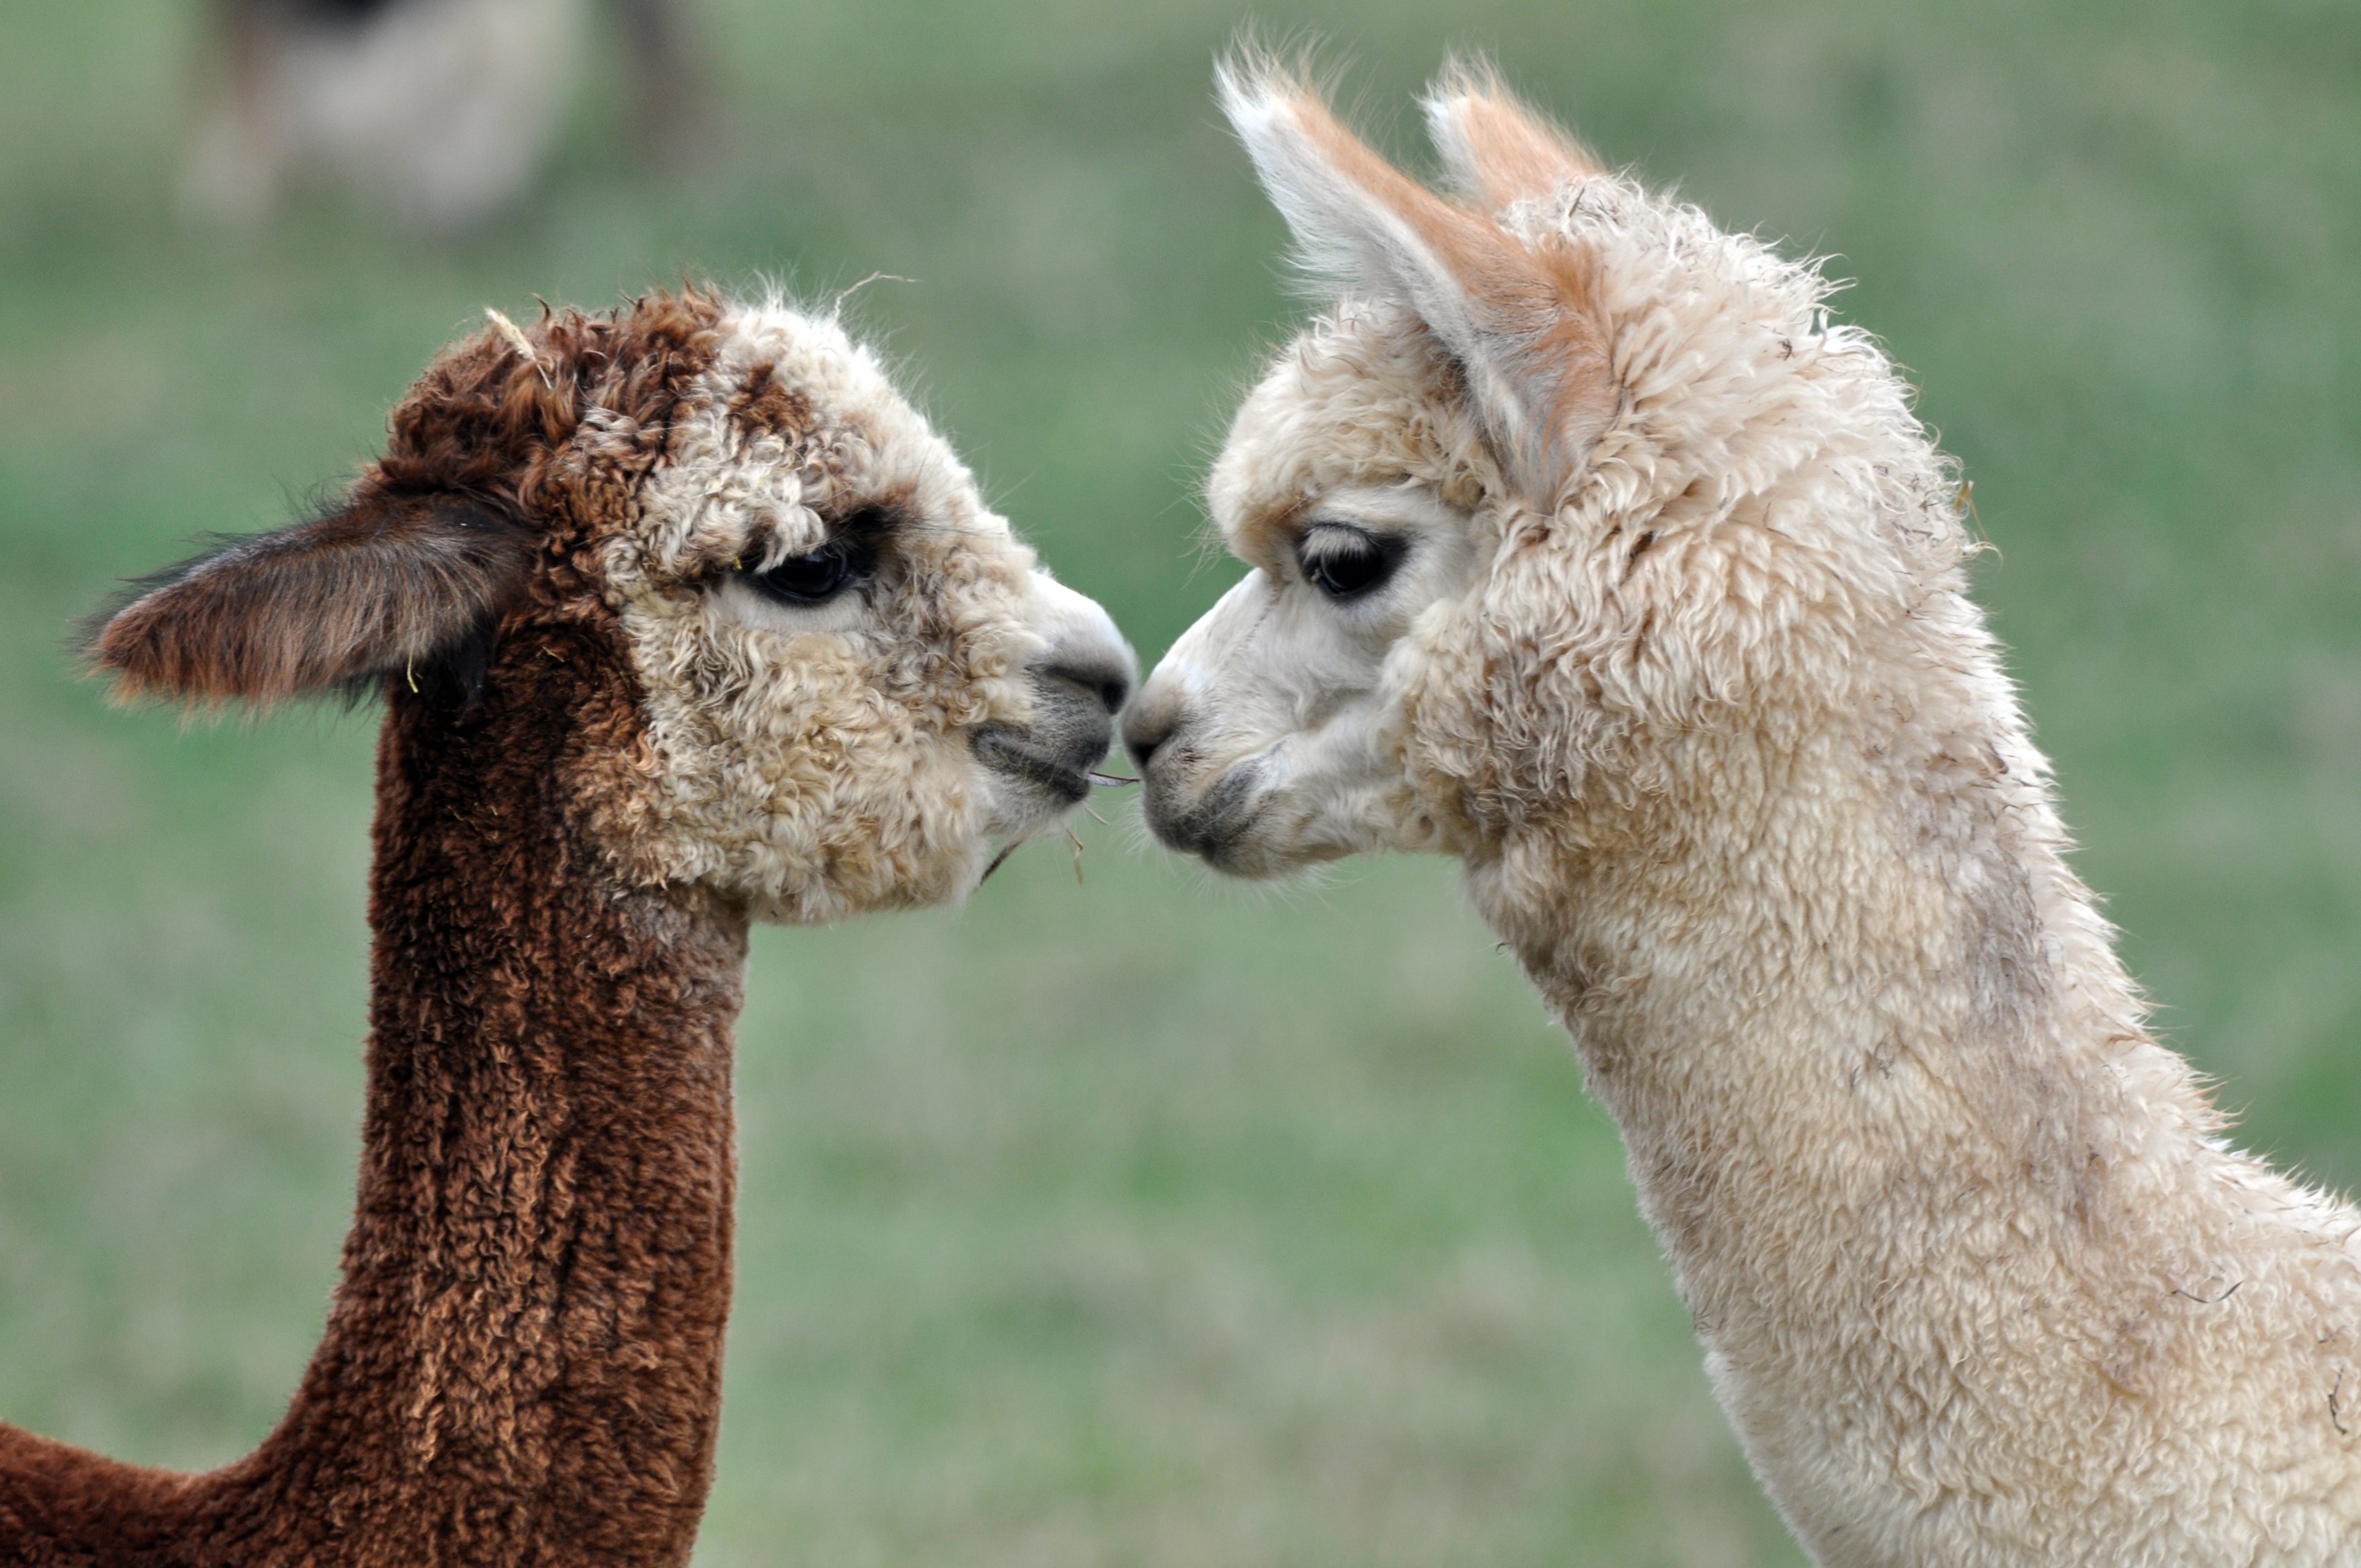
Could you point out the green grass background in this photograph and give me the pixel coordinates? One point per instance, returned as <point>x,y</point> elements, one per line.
<point>1149,1221</point>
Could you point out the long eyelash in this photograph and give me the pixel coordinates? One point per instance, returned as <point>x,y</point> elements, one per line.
<point>1332,541</point>
<point>869,529</point>
<point>1337,539</point>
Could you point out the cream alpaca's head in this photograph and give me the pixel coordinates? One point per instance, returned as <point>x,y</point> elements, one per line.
<point>1564,475</point>
<point>798,662</point>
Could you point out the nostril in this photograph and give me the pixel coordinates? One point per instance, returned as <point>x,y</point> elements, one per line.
<point>1144,732</point>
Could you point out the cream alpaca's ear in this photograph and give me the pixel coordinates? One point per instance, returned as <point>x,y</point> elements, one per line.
<point>1513,317</point>
<point>1498,150</point>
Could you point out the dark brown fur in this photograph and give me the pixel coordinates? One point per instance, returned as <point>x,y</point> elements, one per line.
<point>368,590</point>
<point>439,538</point>
<point>522,1362</point>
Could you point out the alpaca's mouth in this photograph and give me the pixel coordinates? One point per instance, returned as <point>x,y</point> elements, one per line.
<point>1055,786</point>
<point>1041,769</point>
<point>1001,747</point>
<point>1209,823</point>
<point>1050,758</point>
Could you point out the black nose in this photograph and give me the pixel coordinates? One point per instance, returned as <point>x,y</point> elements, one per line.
<point>1110,682</point>
<point>1145,729</point>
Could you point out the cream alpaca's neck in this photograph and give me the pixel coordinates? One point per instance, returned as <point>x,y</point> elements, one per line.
<point>1977,1280</point>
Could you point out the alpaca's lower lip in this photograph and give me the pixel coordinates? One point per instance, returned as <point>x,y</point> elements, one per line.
<point>1000,750</point>
<point>1210,822</point>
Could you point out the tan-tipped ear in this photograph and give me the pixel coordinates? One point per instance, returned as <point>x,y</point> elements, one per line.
<point>1516,321</point>
<point>376,587</point>
<point>1496,149</point>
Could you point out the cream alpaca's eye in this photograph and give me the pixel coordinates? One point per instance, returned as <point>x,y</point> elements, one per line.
<point>820,577</point>
<point>1345,562</point>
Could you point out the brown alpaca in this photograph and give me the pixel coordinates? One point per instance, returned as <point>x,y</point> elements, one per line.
<point>682,618</point>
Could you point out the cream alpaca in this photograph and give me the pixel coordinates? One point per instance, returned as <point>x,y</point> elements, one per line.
<point>1587,547</point>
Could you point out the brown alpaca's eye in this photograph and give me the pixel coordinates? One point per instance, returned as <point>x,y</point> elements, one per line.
<point>1345,562</point>
<point>820,577</point>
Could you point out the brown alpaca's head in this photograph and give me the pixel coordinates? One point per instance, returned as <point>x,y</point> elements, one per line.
<point>801,664</point>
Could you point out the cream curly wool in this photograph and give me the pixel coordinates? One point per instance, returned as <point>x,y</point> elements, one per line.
<point>1587,547</point>
<point>812,763</point>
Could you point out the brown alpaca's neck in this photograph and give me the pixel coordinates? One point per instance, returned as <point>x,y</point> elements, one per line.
<point>522,1362</point>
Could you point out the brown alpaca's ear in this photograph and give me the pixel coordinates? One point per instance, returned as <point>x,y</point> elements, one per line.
<point>1497,150</point>
<point>1516,317</point>
<point>379,587</point>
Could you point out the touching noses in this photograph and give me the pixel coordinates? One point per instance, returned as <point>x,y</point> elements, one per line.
<point>1150,724</point>
<point>1086,658</point>
<point>1085,650</point>
<point>1174,700</point>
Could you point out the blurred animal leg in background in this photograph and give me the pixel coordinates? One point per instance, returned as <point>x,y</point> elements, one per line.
<point>656,63</point>
<point>236,161</point>
<point>437,112</point>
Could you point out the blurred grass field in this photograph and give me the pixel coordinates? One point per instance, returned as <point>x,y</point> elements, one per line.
<point>1149,1221</point>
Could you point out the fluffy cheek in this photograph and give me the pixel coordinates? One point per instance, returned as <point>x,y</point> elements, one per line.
<point>777,773</point>
<point>1449,750</point>
<point>1342,789</point>
<point>1338,784</point>
<point>1332,793</point>
<point>1259,790</point>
